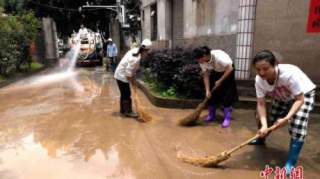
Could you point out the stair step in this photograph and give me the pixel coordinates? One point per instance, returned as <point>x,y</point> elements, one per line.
<point>247,102</point>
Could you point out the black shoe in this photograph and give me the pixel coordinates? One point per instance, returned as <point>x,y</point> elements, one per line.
<point>131,114</point>
<point>258,141</point>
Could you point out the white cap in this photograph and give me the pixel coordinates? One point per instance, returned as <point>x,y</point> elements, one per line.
<point>146,43</point>
<point>109,39</point>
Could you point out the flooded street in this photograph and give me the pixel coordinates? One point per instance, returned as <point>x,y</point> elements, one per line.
<point>71,128</point>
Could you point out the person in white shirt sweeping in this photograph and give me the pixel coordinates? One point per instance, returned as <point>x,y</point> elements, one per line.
<point>218,72</point>
<point>125,75</point>
<point>293,96</point>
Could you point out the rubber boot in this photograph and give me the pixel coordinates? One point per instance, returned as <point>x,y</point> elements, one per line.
<point>211,114</point>
<point>294,151</point>
<point>227,117</point>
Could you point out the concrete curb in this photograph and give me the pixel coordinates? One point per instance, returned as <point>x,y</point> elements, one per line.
<point>20,76</point>
<point>166,102</point>
<point>243,103</point>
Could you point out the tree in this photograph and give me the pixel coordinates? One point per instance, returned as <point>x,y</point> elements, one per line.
<point>13,6</point>
<point>133,15</point>
<point>9,51</point>
<point>68,14</point>
<point>17,32</point>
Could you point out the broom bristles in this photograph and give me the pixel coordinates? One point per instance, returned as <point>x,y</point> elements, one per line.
<point>143,116</point>
<point>211,161</point>
<point>192,118</point>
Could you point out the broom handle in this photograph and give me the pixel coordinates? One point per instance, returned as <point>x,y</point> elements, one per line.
<point>205,101</point>
<point>134,90</point>
<point>249,140</point>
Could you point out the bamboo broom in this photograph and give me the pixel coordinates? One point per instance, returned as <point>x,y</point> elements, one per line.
<point>192,118</point>
<point>143,116</point>
<point>213,161</point>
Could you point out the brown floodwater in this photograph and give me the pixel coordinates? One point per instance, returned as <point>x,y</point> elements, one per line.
<point>68,126</point>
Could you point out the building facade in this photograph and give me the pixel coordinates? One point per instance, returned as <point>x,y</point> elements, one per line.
<point>239,27</point>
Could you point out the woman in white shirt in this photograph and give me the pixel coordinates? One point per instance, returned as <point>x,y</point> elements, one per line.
<point>125,75</point>
<point>293,98</point>
<point>217,70</point>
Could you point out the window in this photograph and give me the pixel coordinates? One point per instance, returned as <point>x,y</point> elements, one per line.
<point>154,21</point>
<point>244,47</point>
<point>142,15</point>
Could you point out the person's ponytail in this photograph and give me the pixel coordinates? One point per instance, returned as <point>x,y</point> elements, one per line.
<point>201,51</point>
<point>139,51</point>
<point>206,50</point>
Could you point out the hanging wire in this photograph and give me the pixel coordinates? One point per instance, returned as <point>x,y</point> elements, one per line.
<point>62,8</point>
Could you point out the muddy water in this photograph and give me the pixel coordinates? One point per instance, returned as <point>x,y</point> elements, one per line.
<point>72,129</point>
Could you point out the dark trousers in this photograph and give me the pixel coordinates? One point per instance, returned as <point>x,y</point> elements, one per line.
<point>227,93</point>
<point>125,97</point>
<point>113,63</point>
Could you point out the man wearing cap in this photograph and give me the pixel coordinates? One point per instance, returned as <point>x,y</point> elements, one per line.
<point>125,75</point>
<point>112,53</point>
<point>82,30</point>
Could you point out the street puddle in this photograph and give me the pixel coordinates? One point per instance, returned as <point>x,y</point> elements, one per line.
<point>21,111</point>
<point>29,160</point>
<point>85,91</point>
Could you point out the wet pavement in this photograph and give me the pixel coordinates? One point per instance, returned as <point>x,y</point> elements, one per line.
<point>68,126</point>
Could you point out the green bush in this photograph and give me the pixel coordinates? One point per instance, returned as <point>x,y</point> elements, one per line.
<point>174,73</point>
<point>17,32</point>
<point>25,68</point>
<point>171,92</point>
<point>35,66</point>
<point>2,78</point>
<point>31,67</point>
<point>13,6</point>
<point>157,89</point>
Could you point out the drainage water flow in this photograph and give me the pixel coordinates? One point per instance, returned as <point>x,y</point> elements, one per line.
<point>65,71</point>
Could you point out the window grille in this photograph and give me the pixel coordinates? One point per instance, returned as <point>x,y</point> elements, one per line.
<point>244,46</point>
<point>154,22</point>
